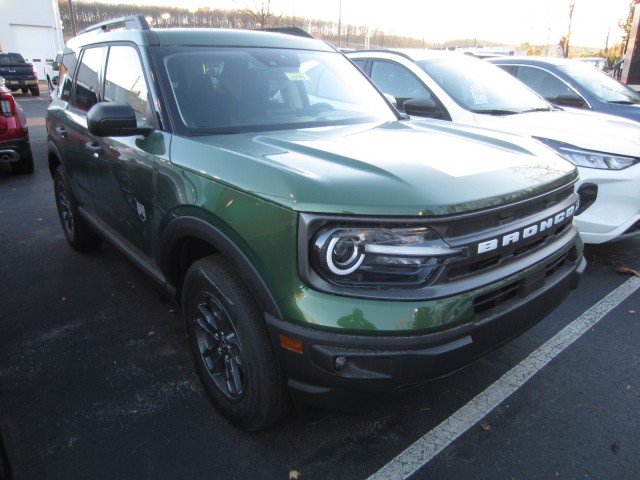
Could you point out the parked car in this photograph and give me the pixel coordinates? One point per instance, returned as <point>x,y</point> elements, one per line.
<point>18,74</point>
<point>464,89</point>
<point>573,84</point>
<point>51,72</point>
<point>596,62</point>
<point>314,238</point>
<point>15,148</point>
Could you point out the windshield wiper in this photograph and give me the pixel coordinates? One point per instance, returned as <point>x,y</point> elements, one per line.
<point>541,109</point>
<point>624,102</point>
<point>496,111</point>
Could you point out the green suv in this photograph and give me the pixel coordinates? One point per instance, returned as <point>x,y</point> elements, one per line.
<point>322,247</point>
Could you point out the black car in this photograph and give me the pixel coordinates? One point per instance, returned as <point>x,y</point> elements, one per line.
<point>18,73</point>
<point>570,83</point>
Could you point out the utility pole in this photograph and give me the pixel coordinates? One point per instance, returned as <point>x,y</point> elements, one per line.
<point>566,50</point>
<point>340,25</point>
<point>72,15</point>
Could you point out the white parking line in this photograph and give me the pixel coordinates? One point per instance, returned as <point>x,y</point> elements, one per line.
<point>427,447</point>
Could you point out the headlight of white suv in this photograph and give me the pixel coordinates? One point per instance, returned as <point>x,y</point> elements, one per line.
<point>590,158</point>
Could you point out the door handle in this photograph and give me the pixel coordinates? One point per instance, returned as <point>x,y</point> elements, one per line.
<point>61,131</point>
<point>93,147</point>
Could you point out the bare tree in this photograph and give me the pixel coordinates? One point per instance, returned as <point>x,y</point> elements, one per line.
<point>262,14</point>
<point>568,37</point>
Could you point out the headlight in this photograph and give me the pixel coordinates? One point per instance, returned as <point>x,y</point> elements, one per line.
<point>378,256</point>
<point>589,158</point>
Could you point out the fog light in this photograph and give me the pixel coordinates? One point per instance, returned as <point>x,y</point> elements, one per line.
<point>340,363</point>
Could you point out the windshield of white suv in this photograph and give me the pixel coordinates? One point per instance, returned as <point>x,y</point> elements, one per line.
<point>481,87</point>
<point>600,85</point>
<point>227,90</point>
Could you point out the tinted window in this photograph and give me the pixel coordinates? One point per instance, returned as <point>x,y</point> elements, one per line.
<point>396,80</point>
<point>543,82</point>
<point>247,89</point>
<point>87,91</point>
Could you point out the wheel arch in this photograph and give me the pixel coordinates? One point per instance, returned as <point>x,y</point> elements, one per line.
<point>53,158</point>
<point>188,238</point>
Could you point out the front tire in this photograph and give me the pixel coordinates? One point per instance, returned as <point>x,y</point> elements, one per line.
<point>77,232</point>
<point>230,346</point>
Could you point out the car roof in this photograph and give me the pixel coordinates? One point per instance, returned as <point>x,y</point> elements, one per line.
<point>139,32</point>
<point>552,61</point>
<point>415,54</point>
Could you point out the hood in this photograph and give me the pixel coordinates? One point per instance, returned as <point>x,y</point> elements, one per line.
<point>587,130</point>
<point>631,112</point>
<point>398,168</point>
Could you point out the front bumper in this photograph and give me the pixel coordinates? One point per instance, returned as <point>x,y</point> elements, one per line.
<point>341,370</point>
<point>615,213</point>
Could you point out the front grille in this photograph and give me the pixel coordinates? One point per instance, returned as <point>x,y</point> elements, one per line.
<point>521,288</point>
<point>475,265</point>
<point>507,215</point>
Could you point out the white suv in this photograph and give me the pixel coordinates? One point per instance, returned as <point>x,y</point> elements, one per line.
<point>460,88</point>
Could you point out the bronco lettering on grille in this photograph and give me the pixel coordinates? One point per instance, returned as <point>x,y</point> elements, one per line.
<point>527,232</point>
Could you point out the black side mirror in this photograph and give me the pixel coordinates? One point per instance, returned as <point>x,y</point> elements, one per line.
<point>107,119</point>
<point>55,65</point>
<point>422,107</point>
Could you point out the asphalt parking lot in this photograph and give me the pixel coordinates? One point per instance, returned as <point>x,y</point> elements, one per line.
<point>96,381</point>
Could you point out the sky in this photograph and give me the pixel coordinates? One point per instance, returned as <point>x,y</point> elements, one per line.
<point>538,22</point>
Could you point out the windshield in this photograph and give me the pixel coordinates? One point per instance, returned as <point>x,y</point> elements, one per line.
<point>230,90</point>
<point>599,84</point>
<point>481,87</point>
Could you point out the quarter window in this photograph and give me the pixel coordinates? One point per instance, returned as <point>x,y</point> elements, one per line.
<point>65,79</point>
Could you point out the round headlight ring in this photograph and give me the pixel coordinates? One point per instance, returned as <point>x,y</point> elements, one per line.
<point>343,255</point>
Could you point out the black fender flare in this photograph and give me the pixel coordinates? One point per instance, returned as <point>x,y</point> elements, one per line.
<point>193,227</point>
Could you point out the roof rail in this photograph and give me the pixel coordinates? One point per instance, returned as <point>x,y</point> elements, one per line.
<point>133,22</point>
<point>297,31</point>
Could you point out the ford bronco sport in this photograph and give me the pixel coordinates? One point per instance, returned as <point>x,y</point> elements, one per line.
<point>322,247</point>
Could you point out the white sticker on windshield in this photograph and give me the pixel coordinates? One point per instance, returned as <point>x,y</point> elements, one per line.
<point>297,76</point>
<point>479,95</point>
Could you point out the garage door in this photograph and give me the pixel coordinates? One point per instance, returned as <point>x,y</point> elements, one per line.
<point>36,44</point>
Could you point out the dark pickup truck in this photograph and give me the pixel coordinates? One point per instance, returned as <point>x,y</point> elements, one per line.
<point>18,74</point>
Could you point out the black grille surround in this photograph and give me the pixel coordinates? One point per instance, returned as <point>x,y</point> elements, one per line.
<point>494,244</point>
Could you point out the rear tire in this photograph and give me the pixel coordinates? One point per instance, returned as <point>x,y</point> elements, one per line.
<point>231,347</point>
<point>78,233</point>
<point>35,91</point>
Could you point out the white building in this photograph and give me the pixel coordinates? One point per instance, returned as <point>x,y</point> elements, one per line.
<point>31,28</point>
